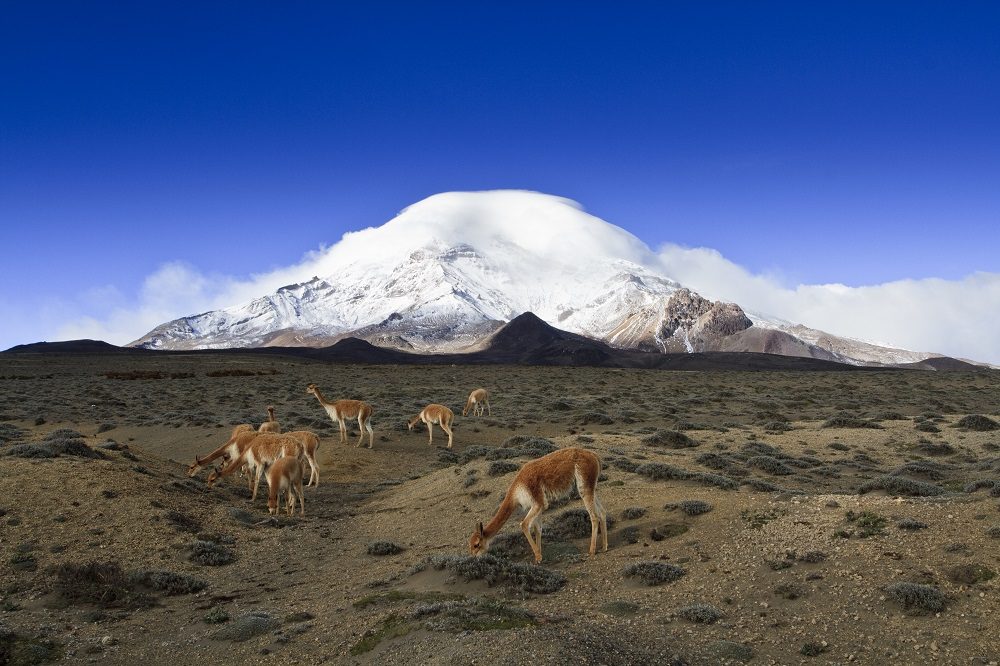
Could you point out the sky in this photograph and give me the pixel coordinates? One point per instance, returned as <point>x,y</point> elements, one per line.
<point>851,149</point>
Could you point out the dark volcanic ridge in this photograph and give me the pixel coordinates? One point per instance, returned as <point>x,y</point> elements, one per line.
<point>525,340</point>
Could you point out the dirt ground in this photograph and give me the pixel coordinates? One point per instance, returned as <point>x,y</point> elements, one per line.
<point>778,517</point>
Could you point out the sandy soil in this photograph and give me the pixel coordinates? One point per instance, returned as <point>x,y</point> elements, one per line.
<point>789,564</point>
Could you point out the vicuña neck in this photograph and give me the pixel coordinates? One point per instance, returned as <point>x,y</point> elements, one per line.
<point>501,517</point>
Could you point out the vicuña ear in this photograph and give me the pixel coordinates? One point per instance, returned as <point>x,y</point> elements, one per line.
<point>480,529</point>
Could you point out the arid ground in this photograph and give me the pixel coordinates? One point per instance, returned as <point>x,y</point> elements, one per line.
<point>761,517</point>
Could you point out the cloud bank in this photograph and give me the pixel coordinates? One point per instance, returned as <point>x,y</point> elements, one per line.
<point>954,317</point>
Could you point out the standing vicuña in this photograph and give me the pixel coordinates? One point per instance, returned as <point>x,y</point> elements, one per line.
<point>347,409</point>
<point>285,474</point>
<point>270,425</point>
<point>432,414</point>
<point>540,481</point>
<point>241,438</point>
<point>476,400</point>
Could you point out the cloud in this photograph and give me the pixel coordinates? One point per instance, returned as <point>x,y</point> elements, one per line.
<point>953,317</point>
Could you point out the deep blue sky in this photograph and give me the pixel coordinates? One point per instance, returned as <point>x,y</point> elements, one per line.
<point>855,143</point>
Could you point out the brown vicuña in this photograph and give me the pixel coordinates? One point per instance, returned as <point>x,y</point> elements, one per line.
<point>477,399</point>
<point>229,449</point>
<point>270,425</point>
<point>432,414</point>
<point>258,451</point>
<point>536,484</point>
<point>347,409</point>
<point>237,444</point>
<point>285,475</point>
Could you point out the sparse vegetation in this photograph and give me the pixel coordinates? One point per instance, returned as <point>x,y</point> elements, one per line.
<point>211,554</point>
<point>900,485</point>
<point>633,512</point>
<point>382,548</point>
<point>501,467</point>
<point>700,613</point>
<point>978,423</point>
<point>497,571</point>
<point>868,523</point>
<point>654,573</point>
<point>917,599</point>
<point>669,439</point>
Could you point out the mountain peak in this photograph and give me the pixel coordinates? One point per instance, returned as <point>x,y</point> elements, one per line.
<point>450,270</point>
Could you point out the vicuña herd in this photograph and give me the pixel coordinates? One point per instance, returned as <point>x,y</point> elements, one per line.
<point>280,458</point>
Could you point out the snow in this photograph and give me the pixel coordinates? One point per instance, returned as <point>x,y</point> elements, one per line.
<point>452,265</point>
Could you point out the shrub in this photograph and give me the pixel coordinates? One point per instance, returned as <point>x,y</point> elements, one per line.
<point>572,524</point>
<point>868,523</point>
<point>671,439</point>
<point>813,648</point>
<point>653,573</point>
<point>917,599</point>
<point>813,557</point>
<point>911,524</point>
<point>977,422</point>
<point>970,574</point>
<point>472,452</point>
<point>993,532</point>
<point>168,582</point>
<point>10,433</point>
<point>700,613</point>
<point>900,485</point>
<point>183,522</point>
<point>980,484</point>
<point>596,418</point>
<point>209,553</point>
<point>493,570</point>
<point>717,480</point>
<point>520,445</point>
<point>927,468</point>
<point>217,615</point>
<point>932,449</point>
<point>501,467</point>
<point>694,507</point>
<point>30,451</point>
<point>762,486</point>
<point>100,583</point>
<point>714,461</point>
<point>769,465</point>
<point>848,421</point>
<point>247,626</point>
<point>633,512</point>
<point>662,472</point>
<point>381,548</point>
<point>837,446</point>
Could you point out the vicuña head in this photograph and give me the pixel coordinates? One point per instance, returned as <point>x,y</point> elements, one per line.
<point>311,389</point>
<point>478,543</point>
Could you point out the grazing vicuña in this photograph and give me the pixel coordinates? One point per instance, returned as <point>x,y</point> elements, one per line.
<point>540,481</point>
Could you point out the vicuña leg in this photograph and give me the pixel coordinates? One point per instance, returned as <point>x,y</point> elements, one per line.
<point>447,429</point>
<point>589,501</point>
<point>527,526</point>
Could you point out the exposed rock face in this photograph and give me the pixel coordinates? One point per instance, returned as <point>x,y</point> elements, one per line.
<point>721,319</point>
<point>682,310</point>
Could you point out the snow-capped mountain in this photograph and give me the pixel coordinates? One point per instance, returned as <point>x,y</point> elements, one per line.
<point>453,268</point>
